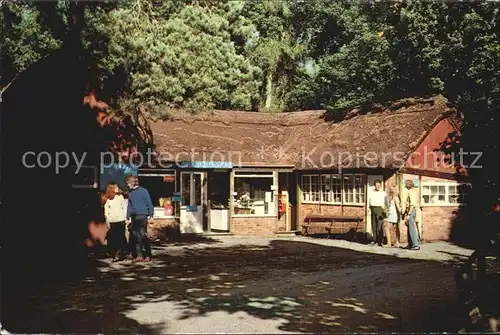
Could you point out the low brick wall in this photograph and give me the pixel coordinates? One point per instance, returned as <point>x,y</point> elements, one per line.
<point>257,226</point>
<point>164,229</point>
<point>281,224</point>
<point>437,224</point>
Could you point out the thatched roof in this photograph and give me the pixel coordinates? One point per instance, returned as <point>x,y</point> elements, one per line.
<point>249,138</point>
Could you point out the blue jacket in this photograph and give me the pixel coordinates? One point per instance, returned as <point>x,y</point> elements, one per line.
<point>139,203</point>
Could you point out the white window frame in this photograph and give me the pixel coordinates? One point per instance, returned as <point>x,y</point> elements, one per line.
<point>354,190</point>
<point>274,187</point>
<point>328,193</point>
<point>446,202</point>
<point>160,173</point>
<point>310,176</point>
<point>96,175</point>
<point>342,194</point>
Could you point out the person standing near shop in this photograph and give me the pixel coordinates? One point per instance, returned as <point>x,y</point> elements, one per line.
<point>409,214</point>
<point>139,211</point>
<point>377,204</point>
<point>393,210</point>
<point>115,212</point>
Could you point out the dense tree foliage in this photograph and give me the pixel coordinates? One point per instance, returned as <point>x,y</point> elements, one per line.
<point>270,55</point>
<point>23,40</point>
<point>279,56</point>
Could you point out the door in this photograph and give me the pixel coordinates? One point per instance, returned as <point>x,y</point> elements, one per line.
<point>218,200</point>
<point>192,195</point>
<point>370,184</point>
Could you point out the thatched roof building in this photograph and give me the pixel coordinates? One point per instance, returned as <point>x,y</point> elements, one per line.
<point>304,140</point>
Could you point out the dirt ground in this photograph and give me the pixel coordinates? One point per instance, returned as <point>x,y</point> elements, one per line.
<point>253,285</point>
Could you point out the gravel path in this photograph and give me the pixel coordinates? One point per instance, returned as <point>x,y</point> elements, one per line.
<point>256,285</point>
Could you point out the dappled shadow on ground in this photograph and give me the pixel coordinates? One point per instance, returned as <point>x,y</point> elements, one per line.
<point>285,286</point>
<point>184,240</point>
<point>351,236</point>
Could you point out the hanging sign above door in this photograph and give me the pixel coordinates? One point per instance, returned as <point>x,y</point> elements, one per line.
<point>205,165</point>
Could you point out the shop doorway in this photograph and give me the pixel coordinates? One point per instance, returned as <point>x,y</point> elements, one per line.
<point>192,207</point>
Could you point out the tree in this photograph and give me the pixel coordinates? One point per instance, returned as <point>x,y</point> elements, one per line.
<point>274,49</point>
<point>186,60</point>
<point>352,54</point>
<point>23,40</point>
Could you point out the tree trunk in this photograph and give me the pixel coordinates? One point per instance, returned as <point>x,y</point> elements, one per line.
<point>76,20</point>
<point>269,90</point>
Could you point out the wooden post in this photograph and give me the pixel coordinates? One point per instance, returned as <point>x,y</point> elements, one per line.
<point>231,200</point>
<point>298,194</point>
<point>209,218</point>
<point>276,193</point>
<point>342,195</point>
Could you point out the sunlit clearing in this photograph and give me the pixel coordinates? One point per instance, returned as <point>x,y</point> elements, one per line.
<point>386,316</point>
<point>186,279</point>
<point>124,278</point>
<point>354,307</point>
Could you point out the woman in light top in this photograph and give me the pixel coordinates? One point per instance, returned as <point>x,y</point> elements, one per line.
<point>115,212</point>
<point>393,210</point>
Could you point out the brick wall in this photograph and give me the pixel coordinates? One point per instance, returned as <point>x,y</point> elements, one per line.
<point>257,226</point>
<point>164,229</point>
<point>404,234</point>
<point>437,222</point>
<point>307,209</point>
<point>281,222</point>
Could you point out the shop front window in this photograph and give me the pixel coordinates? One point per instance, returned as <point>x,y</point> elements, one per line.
<point>161,187</point>
<point>444,193</point>
<point>254,194</point>
<point>333,189</point>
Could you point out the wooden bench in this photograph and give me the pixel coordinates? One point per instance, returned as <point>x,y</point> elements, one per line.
<point>328,222</point>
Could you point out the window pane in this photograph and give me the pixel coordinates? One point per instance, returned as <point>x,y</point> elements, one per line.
<point>326,194</point>
<point>161,189</point>
<point>337,188</point>
<point>360,189</point>
<point>315,188</point>
<point>254,196</point>
<point>305,187</point>
<point>442,193</point>
<point>197,189</point>
<point>348,188</point>
<point>186,189</point>
<point>354,189</point>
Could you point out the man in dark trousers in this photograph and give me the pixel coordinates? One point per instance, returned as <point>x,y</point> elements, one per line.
<point>139,212</point>
<point>377,204</point>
